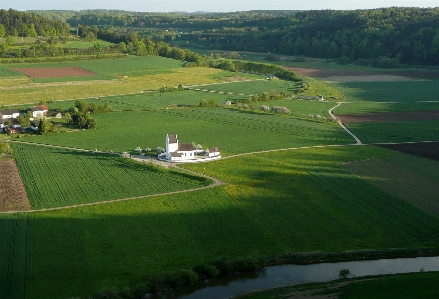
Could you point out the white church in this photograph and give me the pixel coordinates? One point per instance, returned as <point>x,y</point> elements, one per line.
<point>185,152</point>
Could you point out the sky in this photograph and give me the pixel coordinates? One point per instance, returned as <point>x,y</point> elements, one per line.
<point>209,5</point>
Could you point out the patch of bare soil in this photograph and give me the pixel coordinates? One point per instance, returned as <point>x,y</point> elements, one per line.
<point>55,72</point>
<point>389,116</point>
<point>429,150</point>
<point>13,196</point>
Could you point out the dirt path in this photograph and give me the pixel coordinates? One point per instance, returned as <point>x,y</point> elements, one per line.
<point>342,125</point>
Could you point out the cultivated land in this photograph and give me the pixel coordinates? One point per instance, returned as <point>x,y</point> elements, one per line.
<point>12,193</point>
<point>288,189</point>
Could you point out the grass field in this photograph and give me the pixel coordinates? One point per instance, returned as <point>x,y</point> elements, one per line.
<point>299,200</point>
<point>233,131</point>
<point>370,107</point>
<point>403,131</point>
<point>271,205</point>
<point>414,286</point>
<point>398,91</point>
<point>417,183</point>
<point>57,177</point>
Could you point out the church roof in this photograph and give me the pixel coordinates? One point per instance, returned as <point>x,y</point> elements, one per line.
<point>186,147</point>
<point>172,138</point>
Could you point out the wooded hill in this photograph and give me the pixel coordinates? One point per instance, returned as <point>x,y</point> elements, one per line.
<point>17,23</point>
<point>381,37</point>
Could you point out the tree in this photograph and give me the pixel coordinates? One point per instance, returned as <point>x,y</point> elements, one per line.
<point>24,122</point>
<point>2,30</point>
<point>45,126</point>
<point>344,273</point>
<point>90,123</point>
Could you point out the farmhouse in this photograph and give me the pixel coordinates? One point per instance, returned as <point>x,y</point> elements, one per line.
<point>39,110</point>
<point>7,114</point>
<point>185,152</point>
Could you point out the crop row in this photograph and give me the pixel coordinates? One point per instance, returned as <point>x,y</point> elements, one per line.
<point>55,177</point>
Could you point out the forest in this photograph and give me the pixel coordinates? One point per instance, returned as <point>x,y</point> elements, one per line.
<point>384,37</point>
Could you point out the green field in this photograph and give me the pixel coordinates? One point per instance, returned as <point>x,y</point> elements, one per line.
<point>417,183</point>
<point>57,177</point>
<point>413,286</point>
<point>271,205</point>
<point>232,130</point>
<point>289,185</point>
<point>398,91</point>
<point>401,131</point>
<point>371,107</point>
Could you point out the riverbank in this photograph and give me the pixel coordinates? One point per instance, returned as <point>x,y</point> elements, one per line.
<point>414,286</point>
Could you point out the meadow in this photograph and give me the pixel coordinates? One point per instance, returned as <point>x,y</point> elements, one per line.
<point>57,177</point>
<point>233,131</point>
<point>271,205</point>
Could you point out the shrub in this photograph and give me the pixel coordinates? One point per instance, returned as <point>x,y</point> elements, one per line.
<point>206,271</point>
<point>180,278</point>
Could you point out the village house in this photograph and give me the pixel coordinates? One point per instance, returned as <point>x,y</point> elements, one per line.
<point>8,114</point>
<point>39,110</point>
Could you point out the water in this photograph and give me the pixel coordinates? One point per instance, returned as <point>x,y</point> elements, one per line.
<point>277,276</point>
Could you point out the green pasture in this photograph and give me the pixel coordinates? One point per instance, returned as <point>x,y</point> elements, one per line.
<point>398,91</point>
<point>58,177</point>
<point>413,286</point>
<point>370,107</point>
<point>232,130</point>
<point>287,201</point>
<point>254,87</point>
<point>395,132</point>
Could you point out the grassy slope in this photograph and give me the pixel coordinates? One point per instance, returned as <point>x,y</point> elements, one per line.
<point>288,201</point>
<point>413,286</point>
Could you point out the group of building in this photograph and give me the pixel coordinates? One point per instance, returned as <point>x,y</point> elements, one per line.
<point>9,118</point>
<point>185,152</point>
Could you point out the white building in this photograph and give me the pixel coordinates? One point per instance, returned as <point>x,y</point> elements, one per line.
<point>178,152</point>
<point>39,110</point>
<point>185,152</point>
<point>7,114</point>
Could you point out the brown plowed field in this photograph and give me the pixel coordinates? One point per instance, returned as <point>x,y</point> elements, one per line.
<point>360,76</point>
<point>13,196</point>
<point>55,72</point>
<point>389,116</point>
<point>429,150</point>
